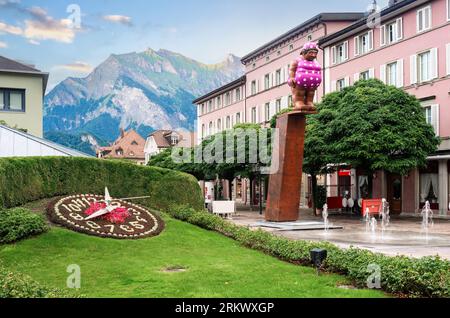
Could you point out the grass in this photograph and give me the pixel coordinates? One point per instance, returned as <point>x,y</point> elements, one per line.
<point>212,266</point>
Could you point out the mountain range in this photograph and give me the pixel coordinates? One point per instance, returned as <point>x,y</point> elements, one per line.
<point>145,91</point>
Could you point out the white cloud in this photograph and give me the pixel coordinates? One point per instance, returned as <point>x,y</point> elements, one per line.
<point>49,29</point>
<point>34,42</point>
<point>3,45</point>
<point>78,66</point>
<point>118,19</point>
<point>10,29</point>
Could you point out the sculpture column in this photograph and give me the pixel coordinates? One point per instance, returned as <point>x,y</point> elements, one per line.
<point>283,199</point>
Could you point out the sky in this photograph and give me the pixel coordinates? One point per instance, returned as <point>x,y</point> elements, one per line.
<point>71,37</point>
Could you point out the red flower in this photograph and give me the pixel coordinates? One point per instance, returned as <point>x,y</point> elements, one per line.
<point>116,216</point>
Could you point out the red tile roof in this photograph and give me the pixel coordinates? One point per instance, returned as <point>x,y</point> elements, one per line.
<point>129,145</point>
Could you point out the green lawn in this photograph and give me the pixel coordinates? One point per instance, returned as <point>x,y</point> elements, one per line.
<point>216,266</point>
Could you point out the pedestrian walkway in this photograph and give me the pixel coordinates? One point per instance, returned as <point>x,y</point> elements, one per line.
<point>404,236</point>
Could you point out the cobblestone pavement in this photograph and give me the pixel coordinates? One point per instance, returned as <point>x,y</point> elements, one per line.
<point>404,236</point>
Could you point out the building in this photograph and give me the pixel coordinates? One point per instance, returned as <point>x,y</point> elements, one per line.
<point>263,91</point>
<point>22,90</point>
<point>161,140</point>
<point>129,146</point>
<point>411,50</point>
<point>15,143</point>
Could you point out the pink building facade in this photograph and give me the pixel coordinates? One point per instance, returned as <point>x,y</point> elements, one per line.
<point>410,49</point>
<point>263,91</point>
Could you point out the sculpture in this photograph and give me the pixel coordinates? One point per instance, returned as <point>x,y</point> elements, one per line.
<point>305,76</point>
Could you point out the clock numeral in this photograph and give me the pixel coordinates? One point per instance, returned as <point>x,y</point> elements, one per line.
<point>111,228</point>
<point>126,228</point>
<point>76,216</point>
<point>136,225</point>
<point>141,219</point>
<point>135,212</point>
<point>93,225</point>
<point>79,202</point>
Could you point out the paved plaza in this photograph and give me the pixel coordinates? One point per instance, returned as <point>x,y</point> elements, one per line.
<point>404,235</point>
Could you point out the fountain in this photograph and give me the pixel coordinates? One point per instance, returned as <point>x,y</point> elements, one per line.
<point>384,213</point>
<point>427,217</point>
<point>367,219</point>
<point>325,217</point>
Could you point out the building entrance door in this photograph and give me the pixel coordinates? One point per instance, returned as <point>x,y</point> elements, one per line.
<point>394,192</point>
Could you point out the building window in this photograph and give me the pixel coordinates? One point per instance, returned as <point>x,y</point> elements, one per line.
<point>364,75</point>
<point>340,53</point>
<point>203,131</point>
<point>278,106</point>
<point>267,111</point>
<point>340,84</point>
<point>253,88</point>
<point>202,111</point>
<point>448,10</point>
<point>391,32</point>
<point>391,74</point>
<point>278,77</point>
<point>254,115</point>
<point>291,47</point>
<point>209,106</point>
<point>219,102</point>
<point>424,69</point>
<point>310,37</point>
<point>266,81</point>
<point>267,58</point>
<point>429,184</point>
<point>228,122</point>
<point>174,140</point>
<point>219,125</point>
<point>238,118</point>
<point>428,115</point>
<point>254,65</point>
<point>210,130</point>
<point>227,99</point>
<point>12,100</point>
<point>279,53</point>
<point>238,94</point>
<point>424,19</point>
<point>290,103</point>
<point>364,43</point>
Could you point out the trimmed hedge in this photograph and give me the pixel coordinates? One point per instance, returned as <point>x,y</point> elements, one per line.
<point>17,224</point>
<point>28,179</point>
<point>14,285</point>
<point>425,277</point>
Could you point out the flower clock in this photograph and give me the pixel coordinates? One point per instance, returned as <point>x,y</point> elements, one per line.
<point>105,217</point>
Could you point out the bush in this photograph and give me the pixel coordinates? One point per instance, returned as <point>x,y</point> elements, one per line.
<point>28,179</point>
<point>425,277</point>
<point>17,224</point>
<point>14,285</point>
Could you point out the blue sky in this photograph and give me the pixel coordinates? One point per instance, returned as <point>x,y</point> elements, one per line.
<point>40,32</point>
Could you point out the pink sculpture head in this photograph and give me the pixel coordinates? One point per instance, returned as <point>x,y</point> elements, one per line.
<point>310,51</point>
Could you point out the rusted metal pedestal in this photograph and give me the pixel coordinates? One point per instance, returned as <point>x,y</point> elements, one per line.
<point>283,200</point>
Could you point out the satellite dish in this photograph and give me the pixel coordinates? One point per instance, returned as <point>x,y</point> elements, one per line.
<point>351,203</point>
<point>344,202</point>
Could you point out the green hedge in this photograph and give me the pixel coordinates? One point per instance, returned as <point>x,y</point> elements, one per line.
<point>17,224</point>
<point>15,285</point>
<point>425,277</point>
<point>28,179</point>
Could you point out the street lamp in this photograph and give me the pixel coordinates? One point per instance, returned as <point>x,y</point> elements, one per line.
<point>318,256</point>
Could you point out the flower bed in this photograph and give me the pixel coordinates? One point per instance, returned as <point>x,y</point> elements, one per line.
<point>425,277</point>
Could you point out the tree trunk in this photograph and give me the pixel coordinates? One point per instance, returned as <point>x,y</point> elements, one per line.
<point>314,192</point>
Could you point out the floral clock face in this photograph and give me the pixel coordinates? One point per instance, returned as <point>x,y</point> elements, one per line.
<point>131,222</point>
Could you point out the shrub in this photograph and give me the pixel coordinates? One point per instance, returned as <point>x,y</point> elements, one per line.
<point>28,179</point>
<point>15,285</point>
<point>425,277</point>
<point>17,224</point>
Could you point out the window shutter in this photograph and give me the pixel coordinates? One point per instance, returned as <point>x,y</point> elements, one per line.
<point>356,77</point>
<point>345,50</point>
<point>383,35</point>
<point>333,86</point>
<point>427,23</point>
<point>435,118</point>
<point>347,81</point>
<point>400,73</point>
<point>434,63</point>
<point>383,73</point>
<point>334,52</point>
<point>372,73</point>
<point>399,29</point>
<point>370,40</point>
<point>448,59</point>
<point>413,69</point>
<point>356,45</point>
